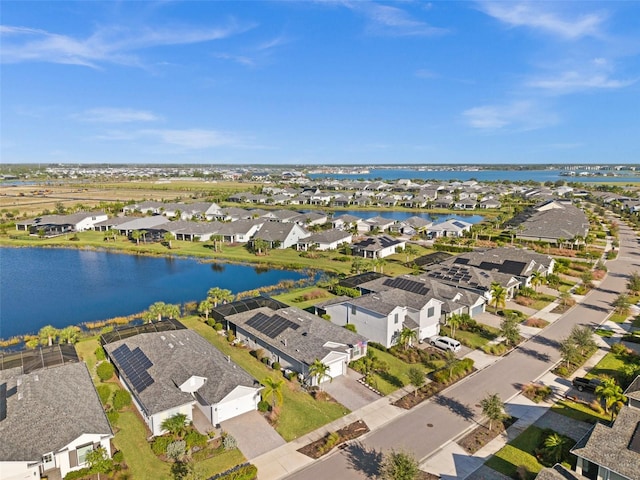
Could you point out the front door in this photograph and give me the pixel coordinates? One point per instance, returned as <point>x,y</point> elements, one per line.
<point>48,461</point>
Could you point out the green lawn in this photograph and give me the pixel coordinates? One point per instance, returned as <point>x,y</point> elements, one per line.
<point>291,297</point>
<point>397,376</point>
<point>618,317</point>
<point>519,452</point>
<point>542,301</point>
<point>610,365</point>
<point>300,412</point>
<point>473,339</point>
<point>579,412</point>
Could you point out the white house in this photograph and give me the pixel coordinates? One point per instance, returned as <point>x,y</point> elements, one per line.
<point>177,371</point>
<point>377,247</point>
<point>50,418</point>
<point>327,240</point>
<point>284,235</point>
<point>449,228</point>
<point>59,224</point>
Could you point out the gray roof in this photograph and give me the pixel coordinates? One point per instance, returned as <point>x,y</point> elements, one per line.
<point>307,342</point>
<point>47,409</point>
<point>513,261</point>
<point>346,218</point>
<point>469,277</point>
<point>609,445</point>
<point>71,219</point>
<point>558,472</point>
<point>556,223</point>
<point>192,228</point>
<point>276,231</point>
<point>327,236</point>
<point>143,223</point>
<point>417,222</point>
<point>376,243</point>
<point>176,356</point>
<point>114,221</point>
<point>633,390</point>
<point>239,226</point>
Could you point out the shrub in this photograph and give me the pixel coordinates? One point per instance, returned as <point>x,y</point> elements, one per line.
<point>618,349</point>
<point>105,371</point>
<point>76,474</point>
<point>496,349</point>
<point>230,337</point>
<point>536,393</point>
<point>100,354</point>
<point>292,376</point>
<point>378,346</point>
<point>195,439</point>
<point>349,292</point>
<point>263,406</point>
<point>244,472</point>
<point>259,353</point>
<point>118,457</point>
<point>449,375</point>
<point>536,323</point>
<point>104,392</point>
<point>596,407</point>
<point>330,441</point>
<point>351,327</point>
<point>113,417</point>
<point>562,371</point>
<point>121,399</point>
<point>229,442</point>
<point>160,444</point>
<point>218,327</point>
<point>633,338</point>
<point>176,449</point>
<point>326,316</point>
<point>276,366</point>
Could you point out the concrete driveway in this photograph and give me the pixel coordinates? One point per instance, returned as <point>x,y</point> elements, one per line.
<point>349,392</point>
<point>254,434</point>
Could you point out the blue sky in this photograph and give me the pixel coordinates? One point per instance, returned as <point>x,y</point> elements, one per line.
<point>326,82</point>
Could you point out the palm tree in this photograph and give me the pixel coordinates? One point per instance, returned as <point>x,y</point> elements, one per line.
<point>217,242</point>
<point>220,295</point>
<point>537,278</point>
<point>633,284</point>
<point>492,408</point>
<point>409,251</point>
<point>320,371</point>
<point>176,425</point>
<point>272,391</point>
<point>172,310</point>
<point>136,235</point>
<point>48,334</point>
<point>155,311</point>
<point>622,304</point>
<point>168,236</point>
<point>69,334</point>
<point>454,321</point>
<point>406,336</point>
<point>610,392</point>
<point>583,338</point>
<point>555,445</point>
<point>143,234</point>
<point>205,308</point>
<point>381,263</point>
<point>498,296</point>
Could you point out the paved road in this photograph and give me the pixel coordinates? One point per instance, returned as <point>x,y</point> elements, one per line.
<point>434,423</point>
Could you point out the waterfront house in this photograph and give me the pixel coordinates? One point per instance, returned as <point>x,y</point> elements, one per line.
<point>169,369</point>
<point>50,414</point>
<point>281,235</point>
<point>449,228</point>
<point>325,240</point>
<point>295,339</point>
<point>52,225</point>
<point>380,224</point>
<point>347,222</point>
<point>377,247</point>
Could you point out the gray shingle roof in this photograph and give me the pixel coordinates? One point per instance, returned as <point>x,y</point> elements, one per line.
<point>555,223</point>
<point>608,445</point>
<point>558,472</point>
<point>47,410</point>
<point>633,390</point>
<point>376,243</point>
<point>469,277</point>
<point>328,236</point>
<point>306,343</point>
<point>179,353</point>
<point>513,261</point>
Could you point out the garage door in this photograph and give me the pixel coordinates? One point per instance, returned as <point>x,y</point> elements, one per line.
<point>335,369</point>
<point>476,310</point>
<point>235,404</point>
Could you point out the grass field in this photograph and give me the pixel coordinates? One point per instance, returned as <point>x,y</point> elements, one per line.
<point>579,412</point>
<point>519,452</point>
<point>292,297</point>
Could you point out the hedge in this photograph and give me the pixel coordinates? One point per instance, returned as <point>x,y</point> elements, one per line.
<point>105,371</point>
<point>459,370</point>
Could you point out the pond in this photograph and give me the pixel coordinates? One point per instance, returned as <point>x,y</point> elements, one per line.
<point>63,287</point>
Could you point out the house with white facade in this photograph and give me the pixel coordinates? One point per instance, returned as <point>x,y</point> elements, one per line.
<point>326,240</point>
<point>449,228</point>
<point>177,371</point>
<point>281,235</point>
<point>50,417</point>
<point>61,224</point>
<point>377,247</point>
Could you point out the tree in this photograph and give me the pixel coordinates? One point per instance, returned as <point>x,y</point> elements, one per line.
<point>510,330</point>
<point>372,364</point>
<point>168,236</point>
<point>406,336</point>
<point>143,234</point>
<point>136,235</point>
<point>272,391</point>
<point>416,378</point>
<point>537,279</point>
<point>498,296</point>
<point>220,295</point>
<point>622,304</point>
<point>633,284</point>
<point>320,371</point>
<point>569,351</point>
<point>492,408</point>
<point>583,338</point>
<point>155,312</point>
<point>409,251</point>
<point>172,310</point>
<point>450,361</point>
<point>610,392</point>
<point>99,461</point>
<point>399,466</point>
<point>553,281</point>
<point>555,445</point>
<point>259,246</point>
<point>454,321</point>
<point>217,242</point>
<point>176,425</point>
<point>69,334</point>
<point>48,334</point>
<point>205,308</point>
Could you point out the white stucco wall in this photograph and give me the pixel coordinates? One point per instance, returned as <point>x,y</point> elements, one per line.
<point>18,471</point>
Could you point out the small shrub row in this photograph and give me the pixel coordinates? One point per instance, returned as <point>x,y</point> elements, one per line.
<point>450,375</point>
<point>535,323</point>
<point>239,472</point>
<point>312,295</point>
<point>536,393</point>
<point>349,292</point>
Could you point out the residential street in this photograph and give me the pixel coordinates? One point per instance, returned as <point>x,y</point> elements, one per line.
<point>424,429</point>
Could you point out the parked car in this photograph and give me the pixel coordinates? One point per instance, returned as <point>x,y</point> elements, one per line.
<point>445,343</point>
<point>586,384</point>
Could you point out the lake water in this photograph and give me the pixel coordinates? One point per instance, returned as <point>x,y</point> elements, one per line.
<point>480,175</point>
<point>62,287</point>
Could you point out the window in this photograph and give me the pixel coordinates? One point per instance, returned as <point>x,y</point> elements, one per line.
<point>47,458</point>
<point>82,453</point>
<point>353,309</point>
<point>431,311</point>
<point>395,318</point>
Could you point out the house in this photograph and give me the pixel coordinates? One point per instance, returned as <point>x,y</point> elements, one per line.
<point>554,222</point>
<point>326,240</point>
<point>310,219</point>
<point>188,231</point>
<point>296,338</point>
<point>281,215</point>
<point>449,228</point>
<point>240,231</point>
<point>281,235</point>
<point>347,222</point>
<point>473,278</point>
<point>412,226</point>
<point>377,247</point>
<point>518,262</point>
<point>61,224</point>
<point>490,203</point>
<point>172,369</point>
<point>50,414</point>
<point>379,223</point>
<point>142,223</point>
<point>613,451</point>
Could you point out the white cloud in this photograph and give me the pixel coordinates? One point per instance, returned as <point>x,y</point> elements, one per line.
<point>573,81</point>
<point>196,139</point>
<point>534,15</point>
<point>392,21</point>
<point>241,59</point>
<point>116,115</point>
<point>519,115</point>
<point>106,45</point>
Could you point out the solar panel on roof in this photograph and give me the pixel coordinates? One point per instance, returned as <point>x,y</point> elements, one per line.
<point>134,364</point>
<point>270,326</point>
<point>407,285</point>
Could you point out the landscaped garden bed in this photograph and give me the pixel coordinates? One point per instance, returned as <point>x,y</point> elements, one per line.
<point>481,435</point>
<point>331,440</point>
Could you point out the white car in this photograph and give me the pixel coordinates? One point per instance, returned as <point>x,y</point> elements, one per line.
<point>445,343</point>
